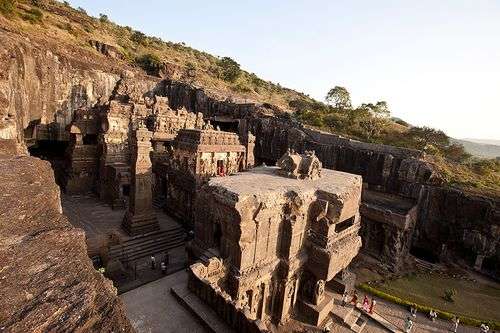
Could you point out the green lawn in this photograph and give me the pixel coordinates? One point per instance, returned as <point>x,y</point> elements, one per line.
<point>473,299</point>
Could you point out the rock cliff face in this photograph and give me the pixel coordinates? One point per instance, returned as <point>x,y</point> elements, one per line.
<point>44,84</point>
<point>47,282</point>
<point>449,221</point>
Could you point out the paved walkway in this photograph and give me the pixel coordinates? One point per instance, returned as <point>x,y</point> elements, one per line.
<point>152,308</point>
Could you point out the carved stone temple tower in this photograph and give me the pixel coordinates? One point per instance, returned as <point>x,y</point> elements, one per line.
<point>140,217</point>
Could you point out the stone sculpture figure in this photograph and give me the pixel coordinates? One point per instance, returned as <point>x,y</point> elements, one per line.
<point>319,292</point>
<point>300,166</point>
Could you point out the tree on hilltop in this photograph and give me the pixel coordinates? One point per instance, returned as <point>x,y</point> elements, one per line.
<point>339,98</point>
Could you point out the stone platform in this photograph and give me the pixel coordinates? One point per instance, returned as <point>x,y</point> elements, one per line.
<point>206,315</point>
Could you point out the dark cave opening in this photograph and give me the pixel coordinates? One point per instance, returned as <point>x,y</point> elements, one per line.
<point>424,254</point>
<point>54,152</point>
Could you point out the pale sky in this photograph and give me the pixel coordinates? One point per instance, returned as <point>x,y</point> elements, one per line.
<point>436,62</point>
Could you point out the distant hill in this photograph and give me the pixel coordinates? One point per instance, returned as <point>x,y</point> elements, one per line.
<point>481,148</point>
<point>484,141</point>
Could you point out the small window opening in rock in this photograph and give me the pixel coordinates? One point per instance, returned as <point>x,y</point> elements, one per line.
<point>344,224</point>
<point>126,190</point>
<point>90,139</point>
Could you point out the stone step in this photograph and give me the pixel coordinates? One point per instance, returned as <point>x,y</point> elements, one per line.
<point>359,325</point>
<point>159,202</point>
<point>145,245</point>
<point>351,319</point>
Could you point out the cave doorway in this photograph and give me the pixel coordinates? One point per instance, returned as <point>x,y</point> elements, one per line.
<point>54,152</point>
<point>373,235</point>
<point>226,124</point>
<point>424,254</point>
<point>90,139</point>
<point>217,236</point>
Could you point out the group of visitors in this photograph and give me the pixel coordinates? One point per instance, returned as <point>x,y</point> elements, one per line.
<point>409,322</point>
<point>368,305</point>
<point>163,264</point>
<point>455,321</point>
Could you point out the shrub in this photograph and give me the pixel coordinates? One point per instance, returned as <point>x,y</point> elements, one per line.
<point>230,69</point>
<point>34,15</point>
<point>151,63</point>
<point>139,38</point>
<point>103,18</point>
<point>82,10</point>
<point>449,294</point>
<point>7,7</point>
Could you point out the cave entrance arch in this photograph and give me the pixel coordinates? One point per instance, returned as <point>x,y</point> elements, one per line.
<point>226,124</point>
<point>424,254</point>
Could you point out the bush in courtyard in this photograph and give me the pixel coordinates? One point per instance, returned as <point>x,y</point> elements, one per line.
<point>7,7</point>
<point>449,294</point>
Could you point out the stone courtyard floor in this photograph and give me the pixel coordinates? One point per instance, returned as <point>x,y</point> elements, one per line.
<point>99,221</point>
<point>152,308</point>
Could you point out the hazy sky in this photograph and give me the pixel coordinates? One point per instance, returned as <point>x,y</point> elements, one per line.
<point>436,62</point>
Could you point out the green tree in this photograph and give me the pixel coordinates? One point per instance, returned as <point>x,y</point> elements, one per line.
<point>230,69</point>
<point>7,7</point>
<point>423,137</point>
<point>339,98</point>
<point>379,109</point>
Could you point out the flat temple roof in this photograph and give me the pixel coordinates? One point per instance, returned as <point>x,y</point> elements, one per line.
<point>265,180</point>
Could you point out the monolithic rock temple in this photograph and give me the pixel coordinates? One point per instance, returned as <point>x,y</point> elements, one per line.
<point>274,238</point>
<point>275,212</point>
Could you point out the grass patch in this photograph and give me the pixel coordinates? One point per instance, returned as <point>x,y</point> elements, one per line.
<point>473,302</point>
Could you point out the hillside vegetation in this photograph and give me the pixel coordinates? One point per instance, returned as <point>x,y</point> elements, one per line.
<point>370,122</point>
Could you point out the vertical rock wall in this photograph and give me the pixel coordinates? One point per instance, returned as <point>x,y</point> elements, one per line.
<point>47,282</point>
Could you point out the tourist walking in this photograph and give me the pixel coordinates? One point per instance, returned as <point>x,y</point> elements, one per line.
<point>163,267</point>
<point>372,306</point>
<point>484,328</point>
<point>354,299</point>
<point>432,315</point>
<point>408,325</point>
<point>455,321</point>
<point>344,298</point>
<point>153,262</point>
<point>365,303</point>
<point>413,311</point>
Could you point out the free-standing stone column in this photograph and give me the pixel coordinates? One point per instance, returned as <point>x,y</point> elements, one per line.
<point>140,217</point>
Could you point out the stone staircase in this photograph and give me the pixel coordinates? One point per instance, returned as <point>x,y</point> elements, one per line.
<point>355,321</point>
<point>159,202</point>
<point>349,316</point>
<point>142,246</point>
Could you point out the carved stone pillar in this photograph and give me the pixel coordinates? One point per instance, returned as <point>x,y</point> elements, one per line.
<point>140,217</point>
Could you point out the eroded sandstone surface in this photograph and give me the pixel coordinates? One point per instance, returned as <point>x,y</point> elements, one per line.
<point>47,282</point>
